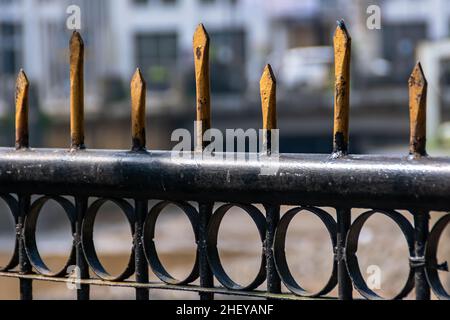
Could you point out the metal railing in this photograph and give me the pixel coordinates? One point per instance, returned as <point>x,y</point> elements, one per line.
<point>416,183</point>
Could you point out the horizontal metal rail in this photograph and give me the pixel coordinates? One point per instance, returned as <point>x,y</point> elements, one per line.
<point>163,286</point>
<point>364,180</point>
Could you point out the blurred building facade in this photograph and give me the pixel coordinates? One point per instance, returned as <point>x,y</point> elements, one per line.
<point>33,36</point>
<point>156,35</point>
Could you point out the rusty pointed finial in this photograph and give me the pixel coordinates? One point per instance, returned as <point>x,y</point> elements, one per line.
<point>201,58</point>
<point>268,88</point>
<point>76,91</point>
<point>342,51</point>
<point>417,111</point>
<point>138,92</point>
<point>22,85</point>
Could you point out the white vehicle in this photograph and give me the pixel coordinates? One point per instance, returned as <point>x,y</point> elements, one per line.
<point>307,67</point>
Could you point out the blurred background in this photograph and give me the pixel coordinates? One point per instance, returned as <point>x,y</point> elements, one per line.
<point>294,36</point>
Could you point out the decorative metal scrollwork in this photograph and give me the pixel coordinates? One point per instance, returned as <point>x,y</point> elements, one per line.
<point>14,210</point>
<point>280,255</point>
<point>88,241</point>
<point>150,248</point>
<point>432,265</point>
<point>30,235</point>
<point>352,247</point>
<point>213,254</point>
<point>27,232</point>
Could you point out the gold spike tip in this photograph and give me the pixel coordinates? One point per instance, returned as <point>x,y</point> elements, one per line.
<point>202,81</point>
<point>138,92</point>
<point>417,77</point>
<point>77,91</point>
<point>341,39</point>
<point>268,75</point>
<point>342,52</point>
<point>22,80</point>
<point>76,50</point>
<point>342,42</point>
<point>417,111</point>
<point>268,98</point>
<point>76,47</point>
<point>76,41</point>
<point>342,28</point>
<point>22,86</point>
<point>137,81</point>
<point>200,44</point>
<point>201,37</point>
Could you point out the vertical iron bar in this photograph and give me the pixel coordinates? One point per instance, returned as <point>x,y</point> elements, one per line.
<point>344,282</point>
<point>267,86</point>
<point>272,218</point>
<point>138,101</point>
<point>418,86</point>
<point>26,288</point>
<point>206,276</point>
<point>141,267</point>
<point>22,85</point>
<point>76,47</point>
<point>342,53</point>
<point>80,208</point>
<point>421,230</point>
<point>200,46</point>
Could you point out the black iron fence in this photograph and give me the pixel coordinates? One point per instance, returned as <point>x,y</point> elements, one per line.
<point>196,184</point>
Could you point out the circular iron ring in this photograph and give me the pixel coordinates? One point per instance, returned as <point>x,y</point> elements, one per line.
<point>431,258</point>
<point>14,209</point>
<point>280,255</point>
<point>149,244</point>
<point>30,235</point>
<point>213,254</point>
<point>88,241</point>
<point>352,247</point>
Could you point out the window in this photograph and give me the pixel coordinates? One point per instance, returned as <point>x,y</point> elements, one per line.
<point>399,44</point>
<point>145,2</point>
<point>10,48</point>
<point>157,58</point>
<point>228,61</point>
<point>231,2</point>
<point>5,2</point>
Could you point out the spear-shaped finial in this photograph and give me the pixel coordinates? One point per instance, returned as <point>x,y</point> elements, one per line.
<point>76,91</point>
<point>268,86</point>
<point>417,111</point>
<point>138,92</point>
<point>201,58</point>
<point>22,85</point>
<point>342,50</point>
